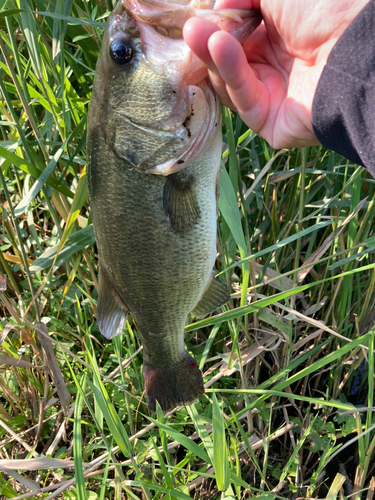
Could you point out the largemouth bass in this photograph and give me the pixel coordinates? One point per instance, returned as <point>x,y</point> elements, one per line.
<point>154,149</point>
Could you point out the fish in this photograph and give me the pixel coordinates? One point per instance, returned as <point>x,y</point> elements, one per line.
<point>154,147</point>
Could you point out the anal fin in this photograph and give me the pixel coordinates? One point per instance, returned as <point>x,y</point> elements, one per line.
<point>215,296</point>
<point>180,203</point>
<point>111,310</point>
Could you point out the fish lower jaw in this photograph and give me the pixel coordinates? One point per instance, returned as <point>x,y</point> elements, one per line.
<point>172,386</point>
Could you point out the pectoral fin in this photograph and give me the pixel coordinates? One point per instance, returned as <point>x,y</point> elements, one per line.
<point>215,296</point>
<point>180,203</point>
<point>111,310</point>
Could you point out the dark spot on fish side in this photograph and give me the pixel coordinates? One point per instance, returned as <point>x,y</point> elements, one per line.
<point>188,133</point>
<point>174,92</point>
<point>180,162</point>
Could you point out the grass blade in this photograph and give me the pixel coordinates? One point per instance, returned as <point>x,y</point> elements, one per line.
<point>77,446</point>
<point>220,450</point>
<point>182,439</point>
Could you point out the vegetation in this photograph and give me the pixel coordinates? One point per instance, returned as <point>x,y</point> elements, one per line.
<point>289,363</point>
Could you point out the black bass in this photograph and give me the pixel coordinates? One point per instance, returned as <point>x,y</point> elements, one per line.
<point>154,149</point>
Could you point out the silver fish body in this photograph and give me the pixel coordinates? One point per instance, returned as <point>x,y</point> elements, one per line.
<point>154,149</point>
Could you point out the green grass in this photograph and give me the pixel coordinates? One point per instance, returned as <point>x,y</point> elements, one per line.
<point>288,364</point>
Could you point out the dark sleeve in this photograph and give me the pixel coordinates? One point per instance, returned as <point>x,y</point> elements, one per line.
<point>343,114</point>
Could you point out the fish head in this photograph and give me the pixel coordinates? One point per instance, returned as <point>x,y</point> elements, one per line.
<point>151,96</point>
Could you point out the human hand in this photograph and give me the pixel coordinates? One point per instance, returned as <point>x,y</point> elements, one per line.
<point>271,79</point>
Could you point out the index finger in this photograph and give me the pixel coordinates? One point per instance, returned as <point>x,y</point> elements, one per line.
<point>196,33</point>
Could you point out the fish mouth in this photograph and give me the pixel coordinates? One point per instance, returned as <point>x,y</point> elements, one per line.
<point>196,132</point>
<point>170,16</point>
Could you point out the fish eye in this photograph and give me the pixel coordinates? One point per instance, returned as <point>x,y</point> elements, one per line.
<point>121,51</point>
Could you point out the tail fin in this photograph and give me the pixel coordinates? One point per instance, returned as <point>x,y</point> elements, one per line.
<point>179,384</point>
